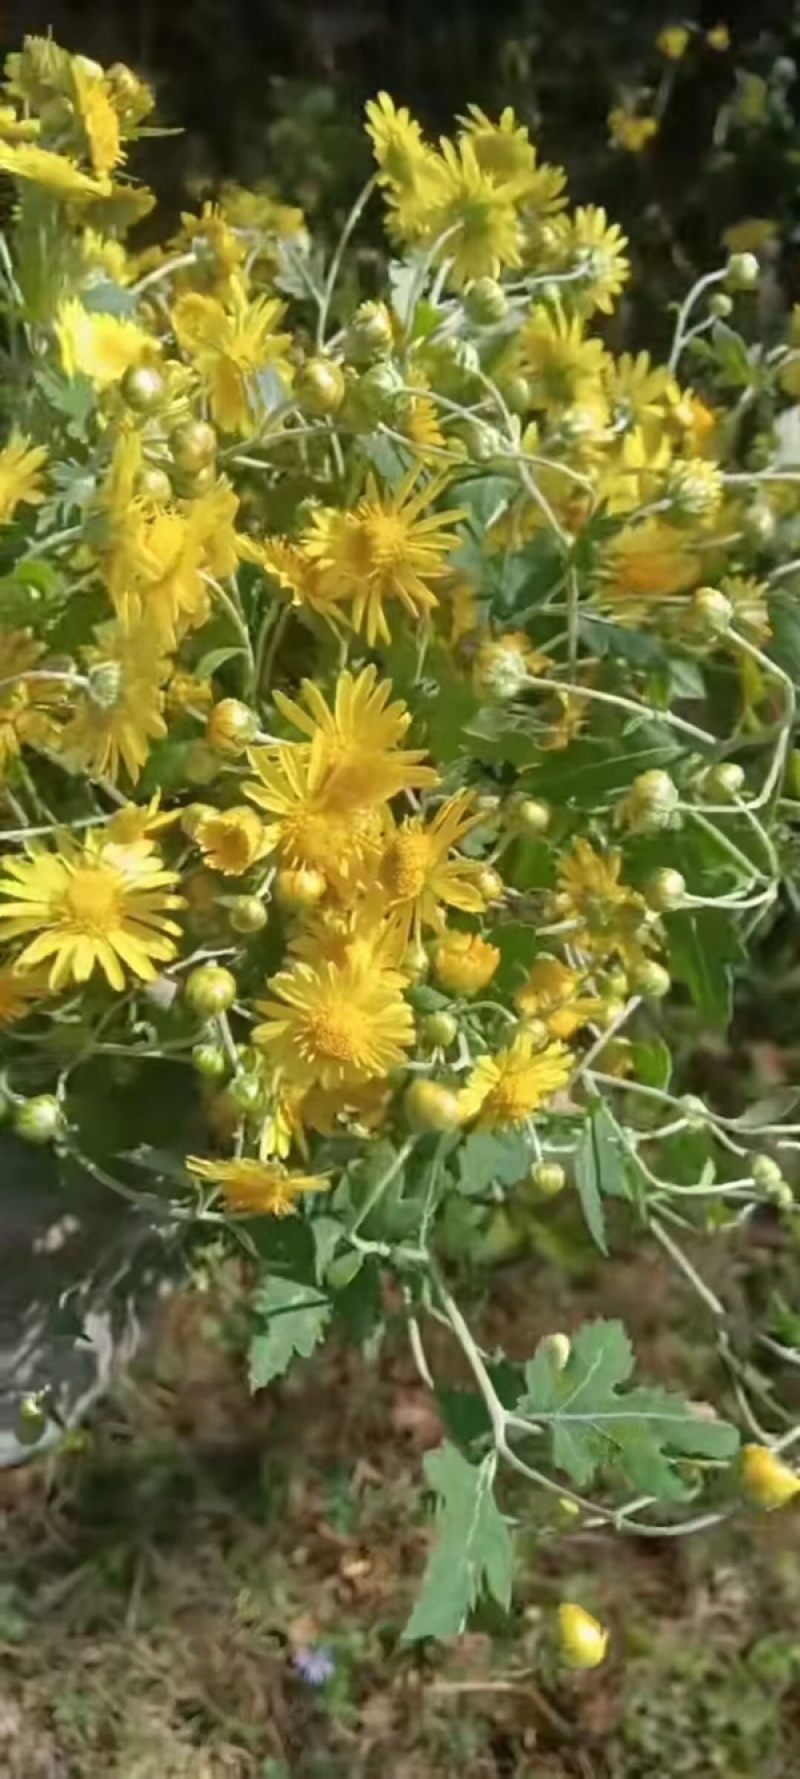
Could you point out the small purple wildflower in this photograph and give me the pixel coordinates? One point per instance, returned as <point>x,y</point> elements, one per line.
<point>315,1666</point>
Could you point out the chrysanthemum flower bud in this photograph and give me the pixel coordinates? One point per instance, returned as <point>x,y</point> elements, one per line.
<point>582,1639</point>
<point>231,726</point>
<point>465,963</point>
<point>665,890</point>
<point>379,391</point>
<point>558,1348</point>
<point>439,1030</point>
<point>210,1061</point>
<point>105,683</point>
<point>486,302</point>
<point>154,484</point>
<point>193,446</point>
<point>722,783</point>
<point>370,333</point>
<point>143,388</point>
<point>742,271</point>
<point>720,305</point>
<point>416,962</point>
<point>694,1111</point>
<point>549,1178</point>
<point>300,890</point>
<point>210,989</point>
<point>759,523</point>
<point>530,815</point>
<point>650,803</point>
<point>500,670</point>
<point>517,394</point>
<point>695,488</point>
<point>431,1106</point>
<point>491,884</point>
<point>651,980</point>
<point>766,1480</point>
<point>710,611</point>
<point>319,386</point>
<point>40,1120</point>
<point>483,442</point>
<point>32,1417</point>
<point>247,914</point>
<point>768,1176</point>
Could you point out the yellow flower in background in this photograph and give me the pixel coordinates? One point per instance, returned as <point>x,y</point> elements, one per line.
<point>503,149</point>
<point>644,564</point>
<point>334,1027</point>
<point>21,465</point>
<point>229,344</point>
<point>417,872</point>
<point>718,38</point>
<point>56,173</point>
<point>751,235</point>
<point>101,347</point>
<point>295,573</point>
<point>354,745</point>
<point>385,551</point>
<point>639,392</point>
<point>766,1479</point>
<point>509,1087</point>
<point>91,906</point>
<point>673,42</point>
<point>631,130</point>
<point>258,1187</point>
<point>231,840</point>
<point>27,707</point>
<point>464,963</point>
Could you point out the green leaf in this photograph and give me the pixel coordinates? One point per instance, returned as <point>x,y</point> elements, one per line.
<point>588,1175</point>
<point>703,946</point>
<point>652,1062</point>
<point>473,1554</point>
<point>593,1423</point>
<point>488,1159</point>
<point>294,1320</point>
<point>589,771</point>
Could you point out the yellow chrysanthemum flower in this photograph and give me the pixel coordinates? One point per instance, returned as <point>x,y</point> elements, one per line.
<point>231,840</point>
<point>673,41</point>
<point>553,993</point>
<point>748,596</point>
<point>98,116</point>
<point>638,391</point>
<point>503,149</point>
<point>598,247</point>
<point>398,144</point>
<point>562,365</point>
<point>509,1087</point>
<point>610,917</point>
<point>306,583</point>
<point>358,939</point>
<point>91,906</point>
<point>229,344</point>
<point>21,466</point>
<point>259,1188</point>
<point>310,828</point>
<point>334,1027</point>
<point>418,874</point>
<point>644,564</point>
<point>121,713</point>
<point>26,706</point>
<point>386,551</point>
<point>55,172</point>
<point>354,747</point>
<point>475,215</point>
<point>101,347</point>
<point>18,993</point>
<point>465,963</point>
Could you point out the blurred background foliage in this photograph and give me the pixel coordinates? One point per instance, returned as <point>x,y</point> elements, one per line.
<point>273,89</point>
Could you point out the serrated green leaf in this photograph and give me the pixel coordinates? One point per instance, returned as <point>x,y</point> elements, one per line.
<point>292,1321</point>
<point>473,1554</point>
<point>589,771</point>
<point>593,1423</point>
<point>488,1159</point>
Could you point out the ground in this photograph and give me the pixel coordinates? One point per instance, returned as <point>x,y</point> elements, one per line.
<point>167,1580</point>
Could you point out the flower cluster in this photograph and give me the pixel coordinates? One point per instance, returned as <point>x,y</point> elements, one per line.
<point>386,707</point>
